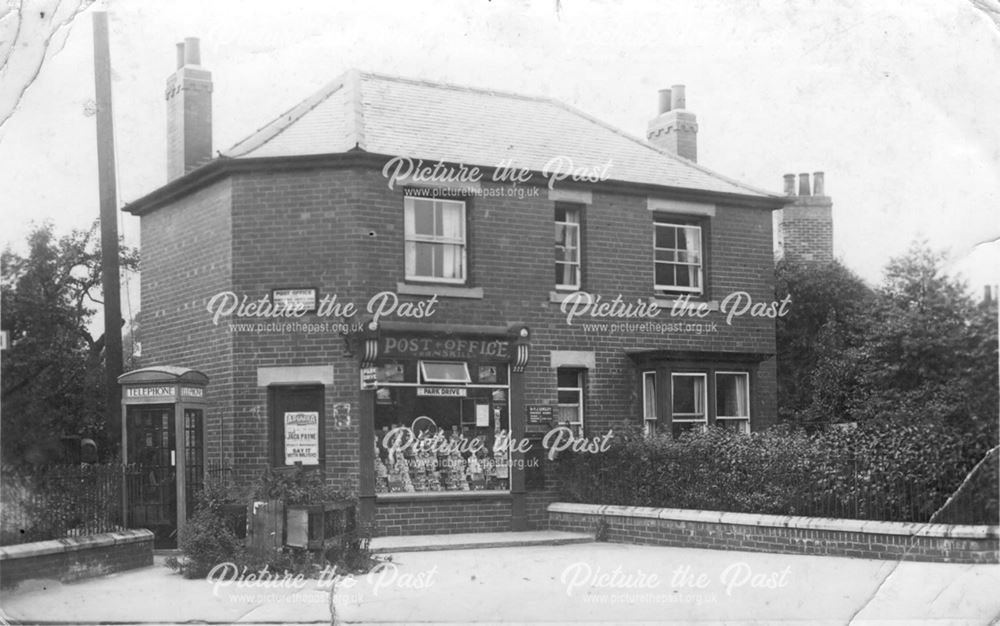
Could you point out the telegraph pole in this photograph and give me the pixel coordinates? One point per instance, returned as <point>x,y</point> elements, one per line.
<point>110,278</point>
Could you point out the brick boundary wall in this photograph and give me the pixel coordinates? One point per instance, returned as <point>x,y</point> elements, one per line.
<point>74,558</point>
<point>781,534</point>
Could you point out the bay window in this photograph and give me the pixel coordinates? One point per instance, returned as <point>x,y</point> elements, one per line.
<point>687,395</point>
<point>688,402</point>
<point>649,403</point>
<point>732,400</point>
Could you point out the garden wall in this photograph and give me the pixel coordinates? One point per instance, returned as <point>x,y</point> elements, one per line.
<point>74,558</point>
<point>780,534</point>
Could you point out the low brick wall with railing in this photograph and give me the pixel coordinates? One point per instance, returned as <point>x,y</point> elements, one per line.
<point>907,541</point>
<point>74,558</point>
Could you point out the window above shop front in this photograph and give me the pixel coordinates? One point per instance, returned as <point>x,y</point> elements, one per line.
<point>678,256</point>
<point>435,240</point>
<point>444,372</point>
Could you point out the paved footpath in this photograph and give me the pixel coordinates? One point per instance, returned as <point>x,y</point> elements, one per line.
<point>591,583</point>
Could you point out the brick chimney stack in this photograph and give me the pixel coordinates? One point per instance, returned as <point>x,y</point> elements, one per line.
<point>189,111</point>
<point>674,129</point>
<point>803,230</point>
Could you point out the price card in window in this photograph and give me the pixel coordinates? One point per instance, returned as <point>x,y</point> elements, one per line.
<point>302,438</point>
<point>482,415</point>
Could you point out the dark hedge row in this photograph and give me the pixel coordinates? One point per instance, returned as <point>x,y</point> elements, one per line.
<point>881,471</point>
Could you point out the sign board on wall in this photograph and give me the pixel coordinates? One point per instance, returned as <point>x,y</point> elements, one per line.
<point>369,377</point>
<point>295,299</point>
<point>302,438</point>
<point>540,413</point>
<point>165,392</point>
<point>445,348</point>
<point>442,392</point>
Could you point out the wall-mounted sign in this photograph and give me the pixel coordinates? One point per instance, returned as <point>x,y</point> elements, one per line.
<point>150,391</point>
<point>392,373</point>
<point>295,299</point>
<point>487,374</point>
<point>193,392</point>
<point>446,348</point>
<point>302,438</point>
<point>369,377</point>
<point>540,413</point>
<point>442,392</point>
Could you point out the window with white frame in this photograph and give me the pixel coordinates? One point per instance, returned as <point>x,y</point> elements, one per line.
<point>570,396</point>
<point>567,246</point>
<point>649,403</point>
<point>688,402</point>
<point>678,258</point>
<point>435,239</point>
<point>732,400</point>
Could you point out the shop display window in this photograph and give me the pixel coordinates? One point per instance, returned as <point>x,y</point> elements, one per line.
<point>442,427</point>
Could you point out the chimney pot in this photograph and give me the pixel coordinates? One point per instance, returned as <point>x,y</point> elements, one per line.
<point>818,184</point>
<point>180,55</point>
<point>789,184</point>
<point>804,185</point>
<point>677,99</point>
<point>674,129</point>
<point>664,103</point>
<point>192,51</point>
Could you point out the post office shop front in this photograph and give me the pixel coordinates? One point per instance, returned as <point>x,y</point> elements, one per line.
<point>438,412</point>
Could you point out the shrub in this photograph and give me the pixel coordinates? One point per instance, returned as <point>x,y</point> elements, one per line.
<point>208,538</point>
<point>887,470</point>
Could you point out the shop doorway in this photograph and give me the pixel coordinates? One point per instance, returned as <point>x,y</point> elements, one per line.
<point>297,429</point>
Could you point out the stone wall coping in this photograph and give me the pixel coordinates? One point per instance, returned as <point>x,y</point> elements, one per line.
<point>910,529</point>
<point>73,544</point>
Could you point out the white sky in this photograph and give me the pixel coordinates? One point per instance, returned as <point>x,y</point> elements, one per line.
<point>899,103</point>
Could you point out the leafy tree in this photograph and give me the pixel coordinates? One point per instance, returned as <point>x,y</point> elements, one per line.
<point>53,371</point>
<point>930,350</point>
<point>826,319</point>
<point>918,348</point>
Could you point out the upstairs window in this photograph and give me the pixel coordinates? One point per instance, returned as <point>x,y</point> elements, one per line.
<point>567,246</point>
<point>435,240</point>
<point>678,258</point>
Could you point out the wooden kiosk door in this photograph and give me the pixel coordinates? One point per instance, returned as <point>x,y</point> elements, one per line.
<point>152,449</point>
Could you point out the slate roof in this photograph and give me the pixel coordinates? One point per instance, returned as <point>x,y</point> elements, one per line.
<point>395,116</point>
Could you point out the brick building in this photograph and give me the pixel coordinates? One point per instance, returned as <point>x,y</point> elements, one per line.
<point>380,260</point>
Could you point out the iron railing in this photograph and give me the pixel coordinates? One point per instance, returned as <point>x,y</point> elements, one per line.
<point>55,501</point>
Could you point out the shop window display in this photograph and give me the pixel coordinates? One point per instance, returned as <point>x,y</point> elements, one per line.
<point>434,436</point>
